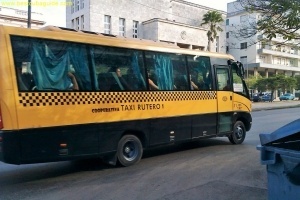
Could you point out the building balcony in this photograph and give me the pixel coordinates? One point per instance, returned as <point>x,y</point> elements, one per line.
<point>287,54</point>
<point>277,39</point>
<point>279,67</point>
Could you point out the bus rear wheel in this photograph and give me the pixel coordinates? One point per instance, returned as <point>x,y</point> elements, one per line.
<point>130,150</point>
<point>239,133</point>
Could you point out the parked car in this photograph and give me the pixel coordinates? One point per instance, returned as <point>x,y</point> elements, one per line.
<point>256,97</point>
<point>267,97</point>
<point>287,96</point>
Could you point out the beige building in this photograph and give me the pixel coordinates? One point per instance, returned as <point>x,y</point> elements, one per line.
<point>18,18</point>
<point>171,21</point>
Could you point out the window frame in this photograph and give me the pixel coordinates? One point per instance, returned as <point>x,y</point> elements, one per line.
<point>122,27</point>
<point>135,29</point>
<point>107,24</point>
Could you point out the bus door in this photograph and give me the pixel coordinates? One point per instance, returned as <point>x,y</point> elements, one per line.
<point>225,99</point>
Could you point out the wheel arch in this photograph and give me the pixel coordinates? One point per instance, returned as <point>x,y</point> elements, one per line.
<point>245,118</point>
<point>139,134</point>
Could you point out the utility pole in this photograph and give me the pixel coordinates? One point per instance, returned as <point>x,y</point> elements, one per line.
<point>29,14</point>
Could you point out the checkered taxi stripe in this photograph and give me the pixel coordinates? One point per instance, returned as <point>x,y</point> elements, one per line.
<point>81,98</point>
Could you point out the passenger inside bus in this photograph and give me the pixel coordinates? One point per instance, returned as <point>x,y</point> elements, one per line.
<point>227,86</point>
<point>152,85</point>
<point>124,83</point>
<point>25,79</point>
<point>193,85</point>
<point>74,84</point>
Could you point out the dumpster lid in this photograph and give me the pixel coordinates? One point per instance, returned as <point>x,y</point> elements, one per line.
<point>289,132</point>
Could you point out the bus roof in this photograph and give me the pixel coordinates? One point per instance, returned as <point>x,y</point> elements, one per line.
<point>88,37</point>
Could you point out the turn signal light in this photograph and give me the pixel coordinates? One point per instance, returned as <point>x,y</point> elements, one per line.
<point>63,145</point>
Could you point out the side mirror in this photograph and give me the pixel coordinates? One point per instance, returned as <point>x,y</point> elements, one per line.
<point>241,70</point>
<point>238,66</point>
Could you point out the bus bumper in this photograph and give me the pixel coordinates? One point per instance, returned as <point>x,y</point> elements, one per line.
<point>9,147</point>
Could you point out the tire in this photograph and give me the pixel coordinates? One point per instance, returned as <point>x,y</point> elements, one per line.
<point>130,150</point>
<point>239,133</point>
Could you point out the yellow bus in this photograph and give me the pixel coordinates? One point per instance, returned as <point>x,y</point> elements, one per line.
<point>67,95</point>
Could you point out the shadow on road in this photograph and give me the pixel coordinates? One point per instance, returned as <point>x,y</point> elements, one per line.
<point>16,174</point>
<point>162,150</point>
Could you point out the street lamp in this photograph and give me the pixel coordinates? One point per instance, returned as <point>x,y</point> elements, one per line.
<point>29,14</point>
<point>247,70</point>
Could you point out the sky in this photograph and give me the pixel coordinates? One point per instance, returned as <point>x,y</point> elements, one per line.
<point>216,4</point>
<point>54,10</point>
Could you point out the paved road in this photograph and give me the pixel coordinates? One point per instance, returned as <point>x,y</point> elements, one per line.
<point>208,169</point>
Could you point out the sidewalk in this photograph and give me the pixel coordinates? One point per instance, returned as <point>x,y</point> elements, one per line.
<point>256,106</point>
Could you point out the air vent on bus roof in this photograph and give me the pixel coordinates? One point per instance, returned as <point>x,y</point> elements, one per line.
<point>89,32</point>
<point>67,29</point>
<point>109,35</point>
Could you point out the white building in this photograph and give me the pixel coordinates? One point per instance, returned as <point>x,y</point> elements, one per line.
<point>18,18</point>
<point>266,58</point>
<point>172,21</point>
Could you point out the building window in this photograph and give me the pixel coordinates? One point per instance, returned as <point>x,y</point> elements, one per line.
<point>77,23</point>
<point>82,22</point>
<point>135,29</point>
<point>227,35</point>
<point>73,6</point>
<point>77,5</point>
<point>73,25</point>
<point>107,20</point>
<point>227,48</point>
<point>278,61</point>
<point>262,59</point>
<point>82,4</point>
<point>244,45</point>
<point>122,27</point>
<point>227,22</point>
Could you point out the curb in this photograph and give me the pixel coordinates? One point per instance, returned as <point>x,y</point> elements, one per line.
<point>275,107</point>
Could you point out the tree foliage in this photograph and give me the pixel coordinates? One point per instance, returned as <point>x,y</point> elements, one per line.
<point>297,82</point>
<point>278,18</point>
<point>277,82</point>
<point>213,20</point>
<point>251,81</point>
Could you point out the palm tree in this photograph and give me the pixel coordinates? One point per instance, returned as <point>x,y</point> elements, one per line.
<point>212,18</point>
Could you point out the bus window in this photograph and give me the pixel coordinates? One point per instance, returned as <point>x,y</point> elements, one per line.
<point>200,73</point>
<point>119,69</point>
<point>47,65</point>
<point>180,72</point>
<point>223,79</point>
<point>167,71</point>
<point>238,84</point>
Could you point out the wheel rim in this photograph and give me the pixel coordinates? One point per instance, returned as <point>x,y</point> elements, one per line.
<point>130,150</point>
<point>239,132</point>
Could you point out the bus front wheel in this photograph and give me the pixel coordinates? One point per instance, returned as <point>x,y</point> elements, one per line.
<point>130,150</point>
<point>239,133</point>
